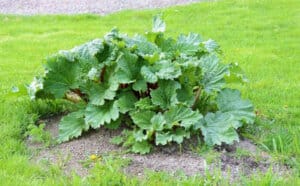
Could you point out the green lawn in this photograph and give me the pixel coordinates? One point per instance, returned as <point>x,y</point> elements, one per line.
<point>262,35</point>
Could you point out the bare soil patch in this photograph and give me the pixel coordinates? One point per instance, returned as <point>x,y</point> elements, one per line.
<point>244,157</point>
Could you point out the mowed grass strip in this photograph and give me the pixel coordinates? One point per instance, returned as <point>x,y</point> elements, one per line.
<point>263,36</point>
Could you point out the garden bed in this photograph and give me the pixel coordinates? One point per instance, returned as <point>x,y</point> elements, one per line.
<point>243,158</point>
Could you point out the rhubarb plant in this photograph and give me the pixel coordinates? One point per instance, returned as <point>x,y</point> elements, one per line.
<point>161,89</point>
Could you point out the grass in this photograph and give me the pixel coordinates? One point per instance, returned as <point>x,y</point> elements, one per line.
<point>263,36</point>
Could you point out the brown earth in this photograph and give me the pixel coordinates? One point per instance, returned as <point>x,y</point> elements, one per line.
<point>244,159</point>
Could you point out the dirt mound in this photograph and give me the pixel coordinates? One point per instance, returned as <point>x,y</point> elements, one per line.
<point>244,159</point>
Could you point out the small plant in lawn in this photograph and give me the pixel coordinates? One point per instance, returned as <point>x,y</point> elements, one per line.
<point>163,89</point>
<point>38,134</point>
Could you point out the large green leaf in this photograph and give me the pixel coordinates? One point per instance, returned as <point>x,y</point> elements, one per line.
<point>211,46</point>
<point>167,46</point>
<point>162,138</point>
<point>145,104</point>
<point>185,95</point>
<point>88,52</point>
<point>191,70</point>
<point>128,67</point>
<point>67,54</point>
<point>179,134</point>
<point>180,115</point>
<point>213,73</point>
<point>85,53</point>
<point>72,125</point>
<point>126,101</point>
<point>218,127</point>
<point>94,74</point>
<point>158,24</point>
<point>167,70</point>
<point>96,116</point>
<point>142,45</point>
<point>61,76</point>
<point>142,118</point>
<point>113,35</point>
<point>100,92</point>
<point>165,95</point>
<point>142,147</point>
<point>148,123</point>
<point>229,101</point>
<point>140,135</point>
<point>140,85</point>
<point>152,58</point>
<point>164,69</point>
<point>188,44</point>
<point>158,121</point>
<point>149,74</point>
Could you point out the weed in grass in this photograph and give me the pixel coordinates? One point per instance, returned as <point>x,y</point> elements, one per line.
<point>39,135</point>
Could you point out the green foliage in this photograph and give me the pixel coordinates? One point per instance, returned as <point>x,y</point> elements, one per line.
<point>265,56</point>
<point>38,134</point>
<point>95,116</point>
<point>219,127</point>
<point>229,101</point>
<point>163,88</point>
<point>213,73</point>
<point>61,75</point>
<point>72,125</point>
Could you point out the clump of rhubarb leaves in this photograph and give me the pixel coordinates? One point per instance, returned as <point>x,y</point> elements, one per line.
<point>162,89</point>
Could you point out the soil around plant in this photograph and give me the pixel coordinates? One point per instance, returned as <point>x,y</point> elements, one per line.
<point>244,157</point>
